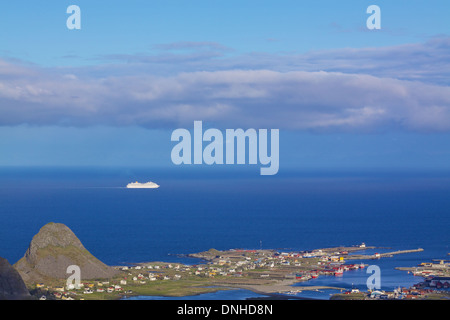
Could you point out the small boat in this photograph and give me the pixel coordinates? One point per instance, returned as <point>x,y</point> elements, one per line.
<point>292,292</point>
<point>339,272</point>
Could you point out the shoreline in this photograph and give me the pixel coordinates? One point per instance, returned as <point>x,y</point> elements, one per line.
<point>280,289</point>
<point>266,272</point>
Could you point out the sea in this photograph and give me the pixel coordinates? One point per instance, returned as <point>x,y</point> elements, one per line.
<point>199,208</point>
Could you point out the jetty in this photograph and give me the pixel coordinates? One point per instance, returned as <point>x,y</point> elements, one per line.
<point>382,255</point>
<point>405,251</point>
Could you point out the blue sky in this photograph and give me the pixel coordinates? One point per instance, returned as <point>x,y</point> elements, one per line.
<point>36,31</point>
<point>112,92</point>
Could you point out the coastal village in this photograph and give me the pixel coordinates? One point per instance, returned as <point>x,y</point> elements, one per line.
<point>267,272</point>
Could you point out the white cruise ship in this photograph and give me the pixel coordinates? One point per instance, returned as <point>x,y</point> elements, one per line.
<point>146,185</point>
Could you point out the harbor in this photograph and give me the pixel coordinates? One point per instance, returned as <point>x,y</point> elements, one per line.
<point>272,274</point>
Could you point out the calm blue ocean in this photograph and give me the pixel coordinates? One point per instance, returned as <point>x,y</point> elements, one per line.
<point>199,209</point>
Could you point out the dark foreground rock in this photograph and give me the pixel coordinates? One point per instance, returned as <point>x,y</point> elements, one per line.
<point>12,286</point>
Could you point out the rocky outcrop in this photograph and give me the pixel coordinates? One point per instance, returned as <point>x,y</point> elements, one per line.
<point>12,286</point>
<point>54,249</point>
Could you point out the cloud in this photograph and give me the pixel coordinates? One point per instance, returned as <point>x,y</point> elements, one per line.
<point>426,62</point>
<point>326,95</point>
<point>192,45</point>
<point>184,54</point>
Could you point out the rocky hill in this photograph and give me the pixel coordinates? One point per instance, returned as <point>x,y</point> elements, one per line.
<point>12,286</point>
<point>55,248</point>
